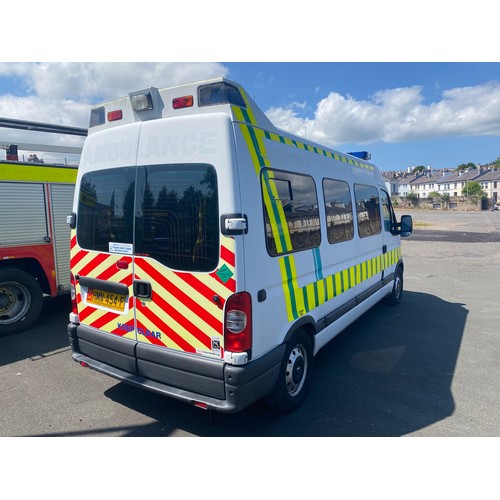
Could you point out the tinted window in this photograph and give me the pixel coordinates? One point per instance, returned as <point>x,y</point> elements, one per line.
<point>338,206</point>
<point>178,216</point>
<point>291,212</point>
<point>176,210</point>
<point>368,210</point>
<point>106,208</point>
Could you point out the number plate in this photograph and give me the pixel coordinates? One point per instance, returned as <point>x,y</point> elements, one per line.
<point>112,300</point>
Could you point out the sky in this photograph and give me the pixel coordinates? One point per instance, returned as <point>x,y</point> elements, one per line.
<point>437,114</point>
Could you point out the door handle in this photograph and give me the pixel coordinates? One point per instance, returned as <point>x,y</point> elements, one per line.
<point>143,289</point>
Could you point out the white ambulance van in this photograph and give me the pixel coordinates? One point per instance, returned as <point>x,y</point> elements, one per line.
<point>213,255</point>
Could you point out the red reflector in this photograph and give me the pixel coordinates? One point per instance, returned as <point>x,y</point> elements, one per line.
<point>122,264</point>
<point>201,405</point>
<point>115,115</point>
<point>85,365</point>
<point>183,102</point>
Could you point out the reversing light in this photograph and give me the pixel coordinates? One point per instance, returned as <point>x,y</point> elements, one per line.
<point>141,102</point>
<point>115,115</point>
<point>182,102</point>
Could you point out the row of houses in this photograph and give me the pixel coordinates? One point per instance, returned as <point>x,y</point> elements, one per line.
<point>443,182</point>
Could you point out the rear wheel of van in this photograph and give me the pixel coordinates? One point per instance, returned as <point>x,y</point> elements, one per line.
<point>295,374</point>
<point>394,297</point>
<point>21,301</point>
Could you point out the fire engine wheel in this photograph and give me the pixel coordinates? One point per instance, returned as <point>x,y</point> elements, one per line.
<point>21,301</point>
<point>295,374</point>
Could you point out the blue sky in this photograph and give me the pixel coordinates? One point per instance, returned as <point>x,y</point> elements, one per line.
<point>404,113</point>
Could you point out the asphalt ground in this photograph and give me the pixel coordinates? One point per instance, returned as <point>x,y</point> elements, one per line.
<point>426,368</point>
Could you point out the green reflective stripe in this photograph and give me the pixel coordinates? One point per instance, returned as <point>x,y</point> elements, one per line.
<point>289,285</point>
<point>318,292</point>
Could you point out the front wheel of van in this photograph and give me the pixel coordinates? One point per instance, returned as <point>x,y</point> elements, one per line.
<point>295,374</point>
<point>394,297</point>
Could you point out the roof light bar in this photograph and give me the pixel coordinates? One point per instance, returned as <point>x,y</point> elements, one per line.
<point>364,155</point>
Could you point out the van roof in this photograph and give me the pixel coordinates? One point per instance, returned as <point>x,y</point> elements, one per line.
<point>216,95</point>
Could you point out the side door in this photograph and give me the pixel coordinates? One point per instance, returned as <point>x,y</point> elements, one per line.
<point>102,251</point>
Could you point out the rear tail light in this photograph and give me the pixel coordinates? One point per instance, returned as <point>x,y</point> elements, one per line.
<point>238,323</point>
<point>74,305</point>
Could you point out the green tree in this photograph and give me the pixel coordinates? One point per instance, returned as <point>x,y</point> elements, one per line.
<point>465,166</point>
<point>497,162</point>
<point>473,188</point>
<point>412,197</point>
<point>434,195</point>
<point>420,168</point>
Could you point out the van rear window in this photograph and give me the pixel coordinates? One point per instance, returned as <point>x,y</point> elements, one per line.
<point>168,212</point>
<point>106,208</point>
<point>179,226</point>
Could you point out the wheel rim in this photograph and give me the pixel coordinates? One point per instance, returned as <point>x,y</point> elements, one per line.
<point>296,370</point>
<point>15,302</point>
<point>398,287</point>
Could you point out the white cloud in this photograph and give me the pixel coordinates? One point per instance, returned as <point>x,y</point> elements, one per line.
<point>61,93</point>
<point>396,115</point>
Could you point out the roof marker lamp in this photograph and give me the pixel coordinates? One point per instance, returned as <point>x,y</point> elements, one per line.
<point>182,102</point>
<point>115,115</point>
<point>141,102</point>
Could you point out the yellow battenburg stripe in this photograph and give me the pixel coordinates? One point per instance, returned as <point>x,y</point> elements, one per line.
<point>13,172</point>
<point>300,300</point>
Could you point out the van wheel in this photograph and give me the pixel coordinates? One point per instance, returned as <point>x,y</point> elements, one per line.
<point>394,297</point>
<point>21,301</point>
<point>295,374</point>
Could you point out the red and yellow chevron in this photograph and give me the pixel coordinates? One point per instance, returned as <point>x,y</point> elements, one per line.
<point>185,312</point>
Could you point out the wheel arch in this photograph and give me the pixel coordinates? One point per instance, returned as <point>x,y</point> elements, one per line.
<point>306,324</point>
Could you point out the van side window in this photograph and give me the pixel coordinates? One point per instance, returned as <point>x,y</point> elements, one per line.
<point>106,208</point>
<point>387,212</point>
<point>291,212</point>
<point>368,210</point>
<point>338,206</point>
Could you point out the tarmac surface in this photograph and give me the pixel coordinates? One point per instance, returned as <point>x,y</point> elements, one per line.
<point>428,367</point>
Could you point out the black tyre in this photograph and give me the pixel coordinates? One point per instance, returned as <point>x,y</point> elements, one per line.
<point>295,374</point>
<point>394,297</point>
<point>21,301</point>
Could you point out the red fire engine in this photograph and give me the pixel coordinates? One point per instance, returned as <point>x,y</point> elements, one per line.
<point>35,199</point>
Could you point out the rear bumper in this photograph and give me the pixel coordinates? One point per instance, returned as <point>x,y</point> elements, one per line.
<point>185,377</point>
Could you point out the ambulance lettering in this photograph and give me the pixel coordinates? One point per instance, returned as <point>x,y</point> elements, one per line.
<point>184,145</point>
